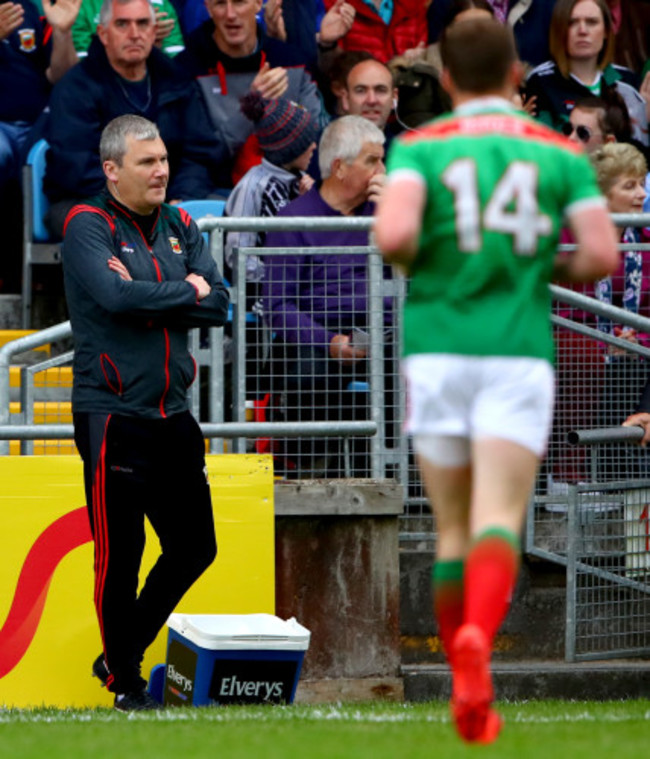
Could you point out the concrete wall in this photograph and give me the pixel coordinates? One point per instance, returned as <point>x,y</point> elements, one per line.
<point>535,626</point>
<point>338,573</point>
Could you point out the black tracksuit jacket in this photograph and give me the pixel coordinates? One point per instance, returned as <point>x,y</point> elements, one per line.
<point>131,338</point>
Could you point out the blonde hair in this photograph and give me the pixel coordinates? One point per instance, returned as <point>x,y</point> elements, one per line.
<point>615,160</point>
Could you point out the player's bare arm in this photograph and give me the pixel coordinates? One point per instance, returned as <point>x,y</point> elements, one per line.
<point>398,219</point>
<point>642,419</point>
<point>596,254</point>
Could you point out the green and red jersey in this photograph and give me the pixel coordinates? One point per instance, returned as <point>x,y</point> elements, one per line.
<point>498,185</point>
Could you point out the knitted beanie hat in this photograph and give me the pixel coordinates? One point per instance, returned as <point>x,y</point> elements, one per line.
<point>283,128</point>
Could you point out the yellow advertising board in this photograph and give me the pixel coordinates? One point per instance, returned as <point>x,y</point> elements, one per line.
<point>49,635</point>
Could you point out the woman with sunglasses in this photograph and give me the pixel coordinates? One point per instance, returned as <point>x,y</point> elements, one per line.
<point>581,41</point>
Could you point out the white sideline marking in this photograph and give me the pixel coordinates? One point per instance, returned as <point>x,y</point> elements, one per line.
<point>409,714</point>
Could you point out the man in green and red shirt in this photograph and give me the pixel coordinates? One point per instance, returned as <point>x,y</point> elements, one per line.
<point>472,211</point>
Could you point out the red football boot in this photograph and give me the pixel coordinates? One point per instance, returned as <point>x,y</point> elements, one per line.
<point>472,691</point>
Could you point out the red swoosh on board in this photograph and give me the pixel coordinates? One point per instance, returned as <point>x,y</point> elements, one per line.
<point>52,545</point>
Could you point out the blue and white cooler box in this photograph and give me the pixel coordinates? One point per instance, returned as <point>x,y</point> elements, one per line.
<point>218,659</point>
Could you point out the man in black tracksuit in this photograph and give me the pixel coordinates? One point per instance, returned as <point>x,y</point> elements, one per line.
<point>137,276</point>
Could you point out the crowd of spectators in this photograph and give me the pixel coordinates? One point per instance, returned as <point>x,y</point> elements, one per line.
<point>219,77</point>
<point>186,64</point>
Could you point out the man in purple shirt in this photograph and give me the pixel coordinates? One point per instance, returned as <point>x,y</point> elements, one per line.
<point>317,305</point>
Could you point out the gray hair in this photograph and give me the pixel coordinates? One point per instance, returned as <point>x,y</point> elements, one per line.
<point>106,11</point>
<point>112,144</point>
<point>344,138</point>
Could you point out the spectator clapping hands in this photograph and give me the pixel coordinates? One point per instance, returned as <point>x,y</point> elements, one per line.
<point>11,16</point>
<point>274,20</point>
<point>271,83</point>
<point>61,14</point>
<point>337,22</point>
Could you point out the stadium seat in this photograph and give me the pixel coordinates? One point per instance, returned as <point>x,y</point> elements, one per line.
<point>199,209</point>
<point>38,247</point>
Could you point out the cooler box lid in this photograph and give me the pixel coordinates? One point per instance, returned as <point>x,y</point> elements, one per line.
<point>241,631</point>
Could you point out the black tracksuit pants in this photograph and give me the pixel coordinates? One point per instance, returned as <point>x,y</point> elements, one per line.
<point>135,467</point>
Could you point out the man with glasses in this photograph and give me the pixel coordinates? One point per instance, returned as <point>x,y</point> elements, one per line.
<point>593,122</point>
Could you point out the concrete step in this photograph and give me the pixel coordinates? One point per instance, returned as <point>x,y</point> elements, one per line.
<point>534,628</point>
<point>52,385</point>
<point>46,448</point>
<point>47,412</point>
<point>540,679</point>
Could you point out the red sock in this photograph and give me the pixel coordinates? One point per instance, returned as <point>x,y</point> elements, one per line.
<point>448,600</point>
<point>490,575</point>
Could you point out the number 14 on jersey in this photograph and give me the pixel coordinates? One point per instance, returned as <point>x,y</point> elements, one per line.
<point>512,209</point>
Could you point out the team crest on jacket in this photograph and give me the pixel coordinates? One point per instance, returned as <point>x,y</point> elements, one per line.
<point>176,246</point>
<point>27,40</point>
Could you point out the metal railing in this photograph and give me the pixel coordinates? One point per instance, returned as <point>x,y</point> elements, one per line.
<point>593,525</point>
<point>589,510</point>
<point>20,427</point>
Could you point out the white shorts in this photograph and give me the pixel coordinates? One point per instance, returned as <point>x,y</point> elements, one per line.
<point>452,400</point>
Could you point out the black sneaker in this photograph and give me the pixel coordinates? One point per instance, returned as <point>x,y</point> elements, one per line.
<point>100,670</point>
<point>136,701</point>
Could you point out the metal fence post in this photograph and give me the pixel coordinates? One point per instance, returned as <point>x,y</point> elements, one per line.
<point>239,344</point>
<point>377,364</point>
<point>216,342</point>
<point>571,561</point>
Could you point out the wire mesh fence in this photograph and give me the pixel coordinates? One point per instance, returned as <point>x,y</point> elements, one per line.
<point>590,507</point>
<point>45,399</point>
<point>601,533</point>
<point>319,342</point>
<point>273,364</point>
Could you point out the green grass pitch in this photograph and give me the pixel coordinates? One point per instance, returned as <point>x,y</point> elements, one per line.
<point>533,730</point>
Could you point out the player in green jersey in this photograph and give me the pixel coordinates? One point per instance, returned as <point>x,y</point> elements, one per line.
<point>472,212</point>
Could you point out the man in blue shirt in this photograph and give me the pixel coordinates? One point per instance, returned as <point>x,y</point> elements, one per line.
<point>35,52</point>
